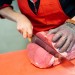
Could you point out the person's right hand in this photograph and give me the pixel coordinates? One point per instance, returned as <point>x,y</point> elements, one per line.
<point>23,24</point>
<point>25,27</point>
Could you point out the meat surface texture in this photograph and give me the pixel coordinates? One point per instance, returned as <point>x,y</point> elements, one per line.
<point>42,58</point>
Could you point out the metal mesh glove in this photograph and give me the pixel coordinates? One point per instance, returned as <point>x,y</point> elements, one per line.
<point>64,36</point>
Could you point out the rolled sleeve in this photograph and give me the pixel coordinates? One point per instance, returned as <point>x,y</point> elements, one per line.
<point>4,4</point>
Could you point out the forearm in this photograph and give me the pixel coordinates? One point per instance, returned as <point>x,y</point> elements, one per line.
<point>9,13</point>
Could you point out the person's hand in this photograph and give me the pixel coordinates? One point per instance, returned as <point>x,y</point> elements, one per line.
<point>23,24</point>
<point>64,37</point>
<point>25,27</point>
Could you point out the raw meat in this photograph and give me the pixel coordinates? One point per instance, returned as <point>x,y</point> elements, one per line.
<point>39,57</point>
<point>43,59</point>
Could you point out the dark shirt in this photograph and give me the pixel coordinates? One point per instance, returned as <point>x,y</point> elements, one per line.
<point>5,2</point>
<point>68,6</point>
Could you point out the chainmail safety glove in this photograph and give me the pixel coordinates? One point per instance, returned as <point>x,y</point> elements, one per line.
<point>64,36</point>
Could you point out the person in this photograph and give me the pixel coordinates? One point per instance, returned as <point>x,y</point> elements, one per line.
<point>55,16</point>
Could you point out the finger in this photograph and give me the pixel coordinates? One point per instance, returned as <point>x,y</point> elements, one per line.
<point>66,45</point>
<point>53,31</point>
<point>71,45</point>
<point>25,34</point>
<point>57,36</point>
<point>30,32</point>
<point>61,41</point>
<point>19,29</point>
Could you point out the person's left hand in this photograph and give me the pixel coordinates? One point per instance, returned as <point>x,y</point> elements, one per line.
<point>64,37</point>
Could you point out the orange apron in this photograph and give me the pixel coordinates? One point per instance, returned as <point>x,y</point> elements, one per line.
<point>50,14</point>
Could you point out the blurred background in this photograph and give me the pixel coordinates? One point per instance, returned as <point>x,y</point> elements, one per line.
<point>10,39</point>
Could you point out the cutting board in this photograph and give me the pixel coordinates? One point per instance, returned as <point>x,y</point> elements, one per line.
<point>17,63</point>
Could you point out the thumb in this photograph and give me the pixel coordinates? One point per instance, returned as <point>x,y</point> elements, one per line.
<point>53,31</point>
